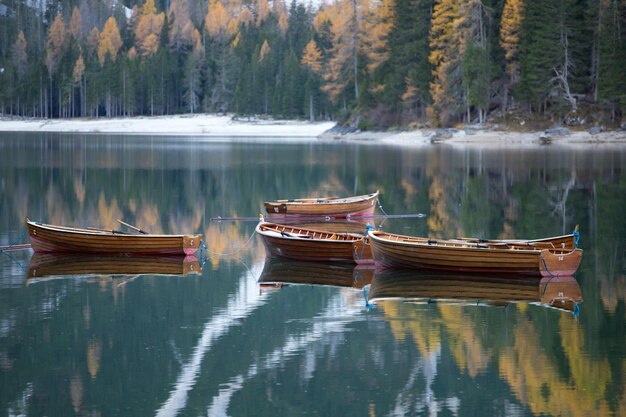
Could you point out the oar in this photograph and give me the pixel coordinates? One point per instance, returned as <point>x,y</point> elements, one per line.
<point>133,227</point>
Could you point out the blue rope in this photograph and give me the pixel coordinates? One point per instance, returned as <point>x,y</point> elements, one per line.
<point>576,311</point>
<point>358,276</point>
<point>203,259</point>
<point>547,270</point>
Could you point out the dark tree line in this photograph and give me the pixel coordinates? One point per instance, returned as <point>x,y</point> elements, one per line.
<point>371,63</point>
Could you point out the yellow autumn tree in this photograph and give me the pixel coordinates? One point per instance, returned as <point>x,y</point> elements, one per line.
<point>55,45</point>
<point>342,65</point>
<point>312,57</point>
<point>510,28</point>
<point>262,8</point>
<point>280,11</point>
<point>374,31</point>
<point>93,39</point>
<point>181,27</point>
<point>76,24</point>
<point>217,19</point>
<point>110,41</point>
<point>246,17</point>
<point>79,69</point>
<point>265,49</point>
<point>148,29</point>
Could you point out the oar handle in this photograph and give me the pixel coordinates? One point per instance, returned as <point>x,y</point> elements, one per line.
<point>132,227</point>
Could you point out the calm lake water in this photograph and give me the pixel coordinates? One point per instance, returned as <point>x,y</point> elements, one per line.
<point>79,340</point>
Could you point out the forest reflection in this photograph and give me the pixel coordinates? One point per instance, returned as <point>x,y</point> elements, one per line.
<point>521,342</point>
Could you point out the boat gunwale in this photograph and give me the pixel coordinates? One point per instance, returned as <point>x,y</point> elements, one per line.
<point>102,232</point>
<point>265,233</point>
<point>325,200</point>
<point>460,246</point>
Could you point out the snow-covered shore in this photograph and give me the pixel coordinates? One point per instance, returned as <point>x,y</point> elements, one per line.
<point>196,124</point>
<point>230,126</point>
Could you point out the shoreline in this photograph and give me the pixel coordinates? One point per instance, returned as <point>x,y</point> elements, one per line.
<point>204,125</point>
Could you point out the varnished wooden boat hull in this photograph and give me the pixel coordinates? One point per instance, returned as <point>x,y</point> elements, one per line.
<point>427,287</point>
<point>416,253</point>
<point>294,242</point>
<point>363,205</point>
<point>278,271</point>
<point>54,239</point>
<point>72,264</point>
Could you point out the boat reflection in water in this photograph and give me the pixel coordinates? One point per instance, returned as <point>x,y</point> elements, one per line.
<point>489,290</point>
<point>53,265</point>
<point>278,272</point>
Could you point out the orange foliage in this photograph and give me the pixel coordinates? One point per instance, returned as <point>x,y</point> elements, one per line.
<point>76,24</point>
<point>55,45</point>
<point>181,27</point>
<point>312,57</point>
<point>281,13</point>
<point>110,41</point>
<point>265,49</point>
<point>262,8</point>
<point>341,16</point>
<point>79,69</point>
<point>216,19</point>
<point>374,31</point>
<point>148,29</point>
<point>93,39</point>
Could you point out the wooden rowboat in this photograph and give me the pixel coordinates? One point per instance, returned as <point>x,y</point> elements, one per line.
<point>50,265</point>
<point>492,290</point>
<point>303,244</point>
<point>361,205</point>
<point>51,238</point>
<point>399,251</point>
<point>279,272</point>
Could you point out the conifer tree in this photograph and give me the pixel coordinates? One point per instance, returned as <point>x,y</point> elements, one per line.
<point>445,58</point>
<point>193,74</point>
<point>612,56</point>
<point>510,31</point>
<point>312,61</point>
<point>19,59</point>
<point>408,71</point>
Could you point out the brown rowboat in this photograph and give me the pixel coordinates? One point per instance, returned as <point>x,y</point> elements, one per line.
<point>303,244</point>
<point>51,238</point>
<point>361,205</point>
<point>399,251</point>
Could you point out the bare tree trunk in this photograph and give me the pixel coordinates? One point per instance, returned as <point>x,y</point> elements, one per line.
<point>311,112</point>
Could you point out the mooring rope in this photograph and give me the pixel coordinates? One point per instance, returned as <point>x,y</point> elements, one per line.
<point>380,206</point>
<point>237,250</point>
<point>15,245</point>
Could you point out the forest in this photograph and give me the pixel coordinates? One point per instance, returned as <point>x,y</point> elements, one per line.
<point>368,64</point>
